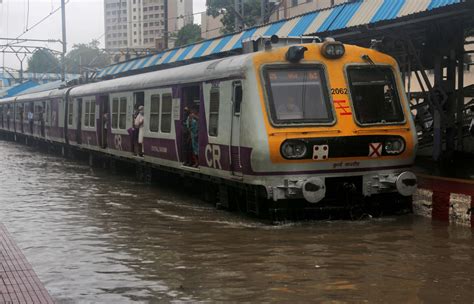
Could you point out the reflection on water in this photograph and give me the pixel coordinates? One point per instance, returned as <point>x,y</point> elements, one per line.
<point>96,237</point>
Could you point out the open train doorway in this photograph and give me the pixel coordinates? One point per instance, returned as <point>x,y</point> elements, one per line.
<point>190,105</point>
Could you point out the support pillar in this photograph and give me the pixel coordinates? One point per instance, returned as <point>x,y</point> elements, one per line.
<point>440,207</point>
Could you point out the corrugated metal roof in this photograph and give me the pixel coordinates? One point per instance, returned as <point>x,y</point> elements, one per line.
<point>354,13</point>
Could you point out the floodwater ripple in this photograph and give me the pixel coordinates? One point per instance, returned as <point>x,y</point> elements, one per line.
<point>100,238</point>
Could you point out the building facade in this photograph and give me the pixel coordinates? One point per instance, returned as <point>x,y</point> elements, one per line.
<point>290,8</point>
<point>140,24</point>
<point>210,26</point>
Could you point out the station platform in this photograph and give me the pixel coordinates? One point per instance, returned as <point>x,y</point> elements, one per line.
<point>18,281</point>
<point>446,190</point>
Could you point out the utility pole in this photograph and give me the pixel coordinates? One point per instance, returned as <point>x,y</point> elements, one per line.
<point>239,15</point>
<point>165,37</point>
<point>63,55</point>
<point>264,11</point>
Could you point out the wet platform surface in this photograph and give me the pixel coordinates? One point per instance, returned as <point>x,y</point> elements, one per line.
<point>18,281</point>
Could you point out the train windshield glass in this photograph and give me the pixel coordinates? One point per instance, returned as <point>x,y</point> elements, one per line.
<point>298,95</point>
<point>374,95</point>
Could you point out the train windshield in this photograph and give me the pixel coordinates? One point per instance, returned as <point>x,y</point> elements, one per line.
<point>374,95</point>
<point>298,95</point>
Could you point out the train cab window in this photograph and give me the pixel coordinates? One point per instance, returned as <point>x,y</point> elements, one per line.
<point>298,95</point>
<point>166,109</point>
<point>214,112</point>
<point>374,95</point>
<point>154,113</point>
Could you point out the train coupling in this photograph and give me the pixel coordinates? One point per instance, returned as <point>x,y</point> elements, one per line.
<point>404,183</point>
<point>312,189</point>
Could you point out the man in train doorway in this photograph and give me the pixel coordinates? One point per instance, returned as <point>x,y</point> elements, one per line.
<point>193,125</point>
<point>187,141</point>
<point>139,124</point>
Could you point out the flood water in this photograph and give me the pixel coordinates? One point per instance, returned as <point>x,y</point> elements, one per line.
<point>95,237</point>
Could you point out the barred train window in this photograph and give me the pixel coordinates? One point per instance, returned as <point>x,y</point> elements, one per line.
<point>89,114</point>
<point>214,112</point>
<point>166,109</point>
<point>86,113</point>
<point>115,109</point>
<point>155,113</point>
<point>70,112</point>
<point>92,113</point>
<point>123,113</point>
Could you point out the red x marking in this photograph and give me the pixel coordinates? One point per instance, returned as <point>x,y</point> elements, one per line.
<point>340,105</point>
<point>375,149</point>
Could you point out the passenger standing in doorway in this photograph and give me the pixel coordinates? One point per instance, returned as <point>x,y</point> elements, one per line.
<point>139,125</point>
<point>187,141</point>
<point>133,132</point>
<point>30,120</point>
<point>105,122</point>
<point>194,129</point>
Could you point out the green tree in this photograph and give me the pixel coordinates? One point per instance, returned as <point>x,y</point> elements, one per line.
<point>43,61</point>
<point>84,57</point>
<point>225,8</point>
<point>189,33</point>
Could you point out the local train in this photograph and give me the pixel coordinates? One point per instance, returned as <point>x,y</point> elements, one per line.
<point>298,122</point>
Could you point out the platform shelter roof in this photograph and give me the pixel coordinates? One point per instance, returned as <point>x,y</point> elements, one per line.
<point>344,16</point>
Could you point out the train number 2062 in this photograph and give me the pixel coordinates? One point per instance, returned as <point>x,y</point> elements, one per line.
<point>336,91</point>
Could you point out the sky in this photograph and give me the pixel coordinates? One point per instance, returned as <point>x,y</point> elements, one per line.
<point>84,20</point>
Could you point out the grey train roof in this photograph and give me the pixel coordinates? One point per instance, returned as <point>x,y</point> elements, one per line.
<point>218,68</point>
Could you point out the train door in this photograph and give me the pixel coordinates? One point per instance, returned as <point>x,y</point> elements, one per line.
<point>102,122</point>
<point>235,121</point>
<point>188,137</point>
<point>79,121</point>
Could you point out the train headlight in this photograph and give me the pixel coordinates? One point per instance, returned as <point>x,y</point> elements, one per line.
<point>333,49</point>
<point>394,146</point>
<point>293,149</point>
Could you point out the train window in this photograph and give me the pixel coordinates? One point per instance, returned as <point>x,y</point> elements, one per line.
<point>89,113</point>
<point>123,113</point>
<point>155,113</point>
<point>214,112</point>
<point>374,95</point>
<point>48,111</point>
<point>92,114</point>
<point>70,110</point>
<point>86,113</point>
<point>115,110</point>
<point>166,109</point>
<point>237,97</point>
<point>298,95</point>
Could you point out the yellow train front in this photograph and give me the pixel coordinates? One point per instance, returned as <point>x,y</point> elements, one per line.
<point>336,124</point>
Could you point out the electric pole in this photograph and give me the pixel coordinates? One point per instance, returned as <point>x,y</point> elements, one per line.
<point>239,15</point>
<point>165,36</point>
<point>63,55</point>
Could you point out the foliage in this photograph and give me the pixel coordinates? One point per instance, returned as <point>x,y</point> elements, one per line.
<point>43,61</point>
<point>190,33</point>
<point>226,9</point>
<point>85,57</point>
